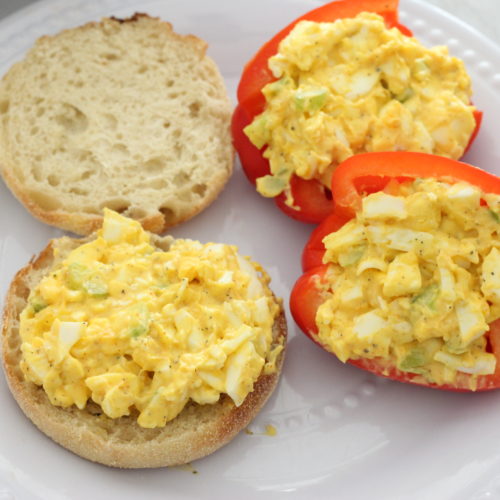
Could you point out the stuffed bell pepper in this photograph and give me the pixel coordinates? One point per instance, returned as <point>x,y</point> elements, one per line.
<point>403,278</point>
<point>345,78</point>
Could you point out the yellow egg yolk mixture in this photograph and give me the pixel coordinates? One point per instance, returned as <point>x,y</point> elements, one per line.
<point>135,328</point>
<point>355,86</point>
<point>415,280</point>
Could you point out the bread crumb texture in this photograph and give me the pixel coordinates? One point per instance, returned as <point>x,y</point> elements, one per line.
<point>124,114</point>
<point>196,432</point>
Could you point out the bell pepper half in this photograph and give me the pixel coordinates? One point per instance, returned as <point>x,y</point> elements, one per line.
<point>356,177</point>
<point>312,201</point>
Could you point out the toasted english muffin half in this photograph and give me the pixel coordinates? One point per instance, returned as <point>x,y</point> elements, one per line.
<point>196,432</point>
<point>124,114</point>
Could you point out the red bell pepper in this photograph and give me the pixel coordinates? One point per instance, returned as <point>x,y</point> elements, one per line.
<point>312,201</point>
<point>365,174</point>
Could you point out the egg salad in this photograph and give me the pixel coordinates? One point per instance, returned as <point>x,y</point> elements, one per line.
<point>143,331</point>
<point>416,281</point>
<point>355,86</point>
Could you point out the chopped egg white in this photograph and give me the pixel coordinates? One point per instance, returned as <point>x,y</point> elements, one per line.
<point>381,206</point>
<point>368,324</point>
<point>69,333</point>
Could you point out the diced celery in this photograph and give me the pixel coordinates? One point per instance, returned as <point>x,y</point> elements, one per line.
<point>310,100</point>
<point>415,359</point>
<point>427,296</point>
<point>495,216</point>
<point>141,320</point>
<point>138,330</point>
<point>37,303</point>
<point>270,185</point>
<point>95,287</point>
<point>455,346</point>
<point>353,256</point>
<point>258,132</point>
<point>162,286</point>
<point>405,95</point>
<point>421,65</point>
<point>79,277</point>
<point>76,275</point>
<point>274,88</point>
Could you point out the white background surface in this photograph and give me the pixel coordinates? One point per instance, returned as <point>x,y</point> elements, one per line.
<point>342,433</point>
<point>481,14</point>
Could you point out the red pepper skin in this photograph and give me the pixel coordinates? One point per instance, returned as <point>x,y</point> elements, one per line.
<point>478,118</point>
<point>254,164</point>
<point>314,200</point>
<point>312,256</point>
<point>369,173</point>
<point>306,298</point>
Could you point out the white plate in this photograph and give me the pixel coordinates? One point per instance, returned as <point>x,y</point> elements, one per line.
<point>341,431</point>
